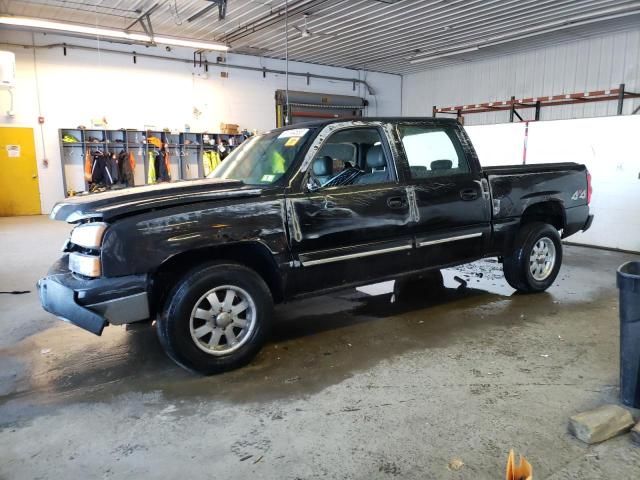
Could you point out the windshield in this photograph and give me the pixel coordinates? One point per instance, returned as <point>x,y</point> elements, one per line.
<point>264,159</point>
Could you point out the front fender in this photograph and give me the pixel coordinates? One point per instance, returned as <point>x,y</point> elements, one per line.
<point>140,244</point>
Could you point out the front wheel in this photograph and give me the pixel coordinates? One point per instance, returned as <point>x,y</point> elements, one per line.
<point>534,261</point>
<point>216,318</point>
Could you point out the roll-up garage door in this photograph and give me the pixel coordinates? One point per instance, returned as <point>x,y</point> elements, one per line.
<point>306,107</point>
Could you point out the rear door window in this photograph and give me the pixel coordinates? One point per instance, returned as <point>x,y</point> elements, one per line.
<point>432,151</point>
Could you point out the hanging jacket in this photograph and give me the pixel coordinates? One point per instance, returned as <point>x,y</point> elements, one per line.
<point>132,162</point>
<point>88,164</point>
<point>162,168</point>
<point>112,165</point>
<point>122,160</point>
<point>167,164</point>
<point>165,170</point>
<point>124,169</point>
<point>224,150</point>
<point>101,169</point>
<point>151,172</point>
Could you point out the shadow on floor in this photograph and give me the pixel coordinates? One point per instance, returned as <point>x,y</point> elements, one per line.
<point>315,343</point>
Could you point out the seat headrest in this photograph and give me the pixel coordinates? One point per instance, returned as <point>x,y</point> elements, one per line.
<point>375,157</point>
<point>441,164</point>
<point>323,166</point>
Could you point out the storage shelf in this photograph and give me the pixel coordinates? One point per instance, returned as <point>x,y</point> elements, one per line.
<point>514,104</point>
<point>188,160</point>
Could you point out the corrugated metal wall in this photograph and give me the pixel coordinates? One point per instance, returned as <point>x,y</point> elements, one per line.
<point>591,64</point>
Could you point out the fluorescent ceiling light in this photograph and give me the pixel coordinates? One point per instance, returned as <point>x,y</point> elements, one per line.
<point>73,28</point>
<point>177,42</point>
<point>107,32</point>
<point>446,54</point>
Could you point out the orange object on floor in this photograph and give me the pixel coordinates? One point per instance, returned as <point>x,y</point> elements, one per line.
<point>522,471</point>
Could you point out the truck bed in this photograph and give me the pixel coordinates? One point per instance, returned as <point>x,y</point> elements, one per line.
<point>521,190</point>
<point>536,168</point>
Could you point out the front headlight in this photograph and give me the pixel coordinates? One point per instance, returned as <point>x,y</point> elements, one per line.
<point>87,265</point>
<point>88,235</point>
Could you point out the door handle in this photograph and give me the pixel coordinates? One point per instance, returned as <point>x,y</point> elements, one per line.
<point>468,194</point>
<point>328,204</point>
<point>397,202</point>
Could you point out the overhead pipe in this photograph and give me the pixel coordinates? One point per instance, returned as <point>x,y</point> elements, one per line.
<point>206,63</point>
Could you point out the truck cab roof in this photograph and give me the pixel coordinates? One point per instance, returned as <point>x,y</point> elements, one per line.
<point>365,120</point>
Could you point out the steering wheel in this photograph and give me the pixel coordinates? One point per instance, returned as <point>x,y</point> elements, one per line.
<point>345,177</point>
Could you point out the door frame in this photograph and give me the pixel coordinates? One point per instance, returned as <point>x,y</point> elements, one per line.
<point>329,261</point>
<point>468,238</point>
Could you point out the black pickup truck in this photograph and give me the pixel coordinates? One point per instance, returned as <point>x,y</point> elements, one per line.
<point>303,210</point>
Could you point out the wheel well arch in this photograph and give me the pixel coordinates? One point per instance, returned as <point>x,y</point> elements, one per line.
<point>253,255</point>
<point>551,212</point>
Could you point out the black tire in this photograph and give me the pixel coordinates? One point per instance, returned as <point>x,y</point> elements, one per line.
<point>516,264</point>
<point>174,324</point>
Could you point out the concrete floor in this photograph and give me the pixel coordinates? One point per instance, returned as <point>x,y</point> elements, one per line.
<point>351,385</point>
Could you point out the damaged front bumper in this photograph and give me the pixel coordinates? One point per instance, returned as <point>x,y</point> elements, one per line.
<point>95,303</point>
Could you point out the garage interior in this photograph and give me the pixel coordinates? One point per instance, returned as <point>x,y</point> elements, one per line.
<point>372,382</point>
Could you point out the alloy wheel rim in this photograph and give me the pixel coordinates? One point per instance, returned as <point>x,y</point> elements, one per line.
<point>542,259</point>
<point>223,320</point>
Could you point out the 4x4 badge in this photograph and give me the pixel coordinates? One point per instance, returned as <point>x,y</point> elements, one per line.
<point>579,194</point>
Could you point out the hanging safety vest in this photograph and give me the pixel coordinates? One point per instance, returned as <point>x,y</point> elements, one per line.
<point>151,172</point>
<point>210,161</point>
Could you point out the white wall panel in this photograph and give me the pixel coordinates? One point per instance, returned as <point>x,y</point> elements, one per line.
<point>83,85</point>
<point>500,144</point>
<point>607,146</point>
<point>590,64</point>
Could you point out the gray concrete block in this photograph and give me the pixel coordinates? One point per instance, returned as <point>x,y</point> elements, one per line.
<point>600,424</point>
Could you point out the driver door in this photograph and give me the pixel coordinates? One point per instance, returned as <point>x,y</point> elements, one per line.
<point>355,232</point>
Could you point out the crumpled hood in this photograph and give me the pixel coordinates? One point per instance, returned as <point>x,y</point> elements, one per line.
<point>127,201</point>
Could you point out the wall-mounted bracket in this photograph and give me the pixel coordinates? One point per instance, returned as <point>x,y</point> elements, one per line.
<point>145,20</point>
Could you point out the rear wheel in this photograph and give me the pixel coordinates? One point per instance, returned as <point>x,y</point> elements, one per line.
<point>535,259</point>
<point>216,318</point>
